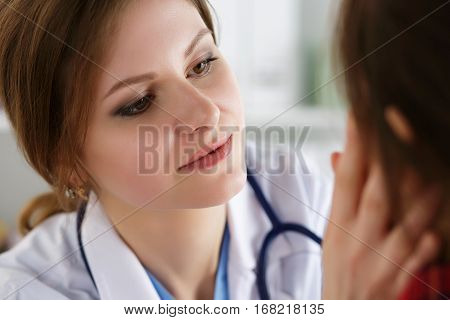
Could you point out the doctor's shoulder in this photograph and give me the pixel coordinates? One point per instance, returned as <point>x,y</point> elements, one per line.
<point>45,263</point>
<point>293,183</point>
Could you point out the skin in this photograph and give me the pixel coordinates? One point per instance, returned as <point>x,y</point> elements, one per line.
<point>186,223</point>
<point>177,234</point>
<point>364,257</point>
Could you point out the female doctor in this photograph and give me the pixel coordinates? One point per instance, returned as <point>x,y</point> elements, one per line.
<point>131,114</point>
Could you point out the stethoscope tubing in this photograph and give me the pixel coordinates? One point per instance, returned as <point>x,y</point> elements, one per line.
<point>278,228</point>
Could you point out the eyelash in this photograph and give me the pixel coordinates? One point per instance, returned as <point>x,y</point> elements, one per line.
<point>126,111</point>
<point>209,60</point>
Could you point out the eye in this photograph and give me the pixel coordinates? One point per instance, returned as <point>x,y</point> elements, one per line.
<point>136,107</point>
<point>202,68</point>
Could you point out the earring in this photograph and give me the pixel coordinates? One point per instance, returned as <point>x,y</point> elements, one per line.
<point>81,192</point>
<point>70,193</point>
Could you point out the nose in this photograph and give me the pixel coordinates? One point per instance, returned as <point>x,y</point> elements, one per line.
<point>195,110</point>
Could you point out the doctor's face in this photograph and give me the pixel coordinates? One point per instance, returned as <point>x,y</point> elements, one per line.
<point>167,121</point>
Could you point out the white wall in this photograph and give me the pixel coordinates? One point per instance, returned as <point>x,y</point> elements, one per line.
<point>18,182</point>
<point>280,51</point>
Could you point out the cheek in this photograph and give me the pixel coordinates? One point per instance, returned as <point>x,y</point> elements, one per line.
<point>125,166</point>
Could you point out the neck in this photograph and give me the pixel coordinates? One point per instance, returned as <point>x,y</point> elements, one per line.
<point>180,248</point>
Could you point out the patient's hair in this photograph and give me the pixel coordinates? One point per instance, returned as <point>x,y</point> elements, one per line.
<point>398,53</point>
<point>48,55</point>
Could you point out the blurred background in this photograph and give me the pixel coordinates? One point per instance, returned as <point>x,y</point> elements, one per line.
<point>281,53</point>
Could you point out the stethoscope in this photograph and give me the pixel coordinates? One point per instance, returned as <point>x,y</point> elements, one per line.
<point>278,228</point>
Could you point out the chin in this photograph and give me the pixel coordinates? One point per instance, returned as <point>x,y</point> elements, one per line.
<point>210,191</point>
<point>231,187</point>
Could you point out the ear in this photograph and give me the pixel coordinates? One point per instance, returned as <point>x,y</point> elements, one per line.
<point>399,124</point>
<point>78,177</point>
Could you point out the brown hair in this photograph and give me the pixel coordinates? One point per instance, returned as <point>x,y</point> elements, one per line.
<point>397,54</point>
<point>48,53</point>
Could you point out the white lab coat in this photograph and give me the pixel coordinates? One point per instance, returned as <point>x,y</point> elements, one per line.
<point>47,263</point>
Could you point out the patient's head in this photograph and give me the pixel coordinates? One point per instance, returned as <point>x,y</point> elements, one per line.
<point>397,55</point>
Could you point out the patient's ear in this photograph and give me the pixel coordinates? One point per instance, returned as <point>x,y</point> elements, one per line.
<point>399,124</point>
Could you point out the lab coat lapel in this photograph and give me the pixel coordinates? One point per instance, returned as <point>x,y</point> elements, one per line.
<point>121,276</point>
<point>248,225</point>
<point>117,272</point>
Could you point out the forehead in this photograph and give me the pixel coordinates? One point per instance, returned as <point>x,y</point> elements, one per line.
<point>150,34</point>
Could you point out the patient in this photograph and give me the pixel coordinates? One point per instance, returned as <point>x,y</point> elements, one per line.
<point>397,57</point>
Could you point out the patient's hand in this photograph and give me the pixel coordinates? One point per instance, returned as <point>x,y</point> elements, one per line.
<point>365,258</point>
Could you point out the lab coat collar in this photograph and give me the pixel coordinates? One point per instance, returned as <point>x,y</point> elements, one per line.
<point>116,270</point>
<point>122,276</point>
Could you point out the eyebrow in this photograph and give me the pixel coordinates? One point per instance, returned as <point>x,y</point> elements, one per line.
<point>196,40</point>
<point>152,75</point>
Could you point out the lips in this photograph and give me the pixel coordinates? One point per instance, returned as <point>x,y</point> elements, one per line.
<point>209,156</point>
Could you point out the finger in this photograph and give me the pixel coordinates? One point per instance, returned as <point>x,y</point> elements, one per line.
<point>350,175</point>
<point>374,213</point>
<point>411,185</point>
<point>426,252</point>
<point>404,236</point>
<point>390,278</point>
<point>334,160</point>
<point>422,212</point>
<point>402,240</point>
